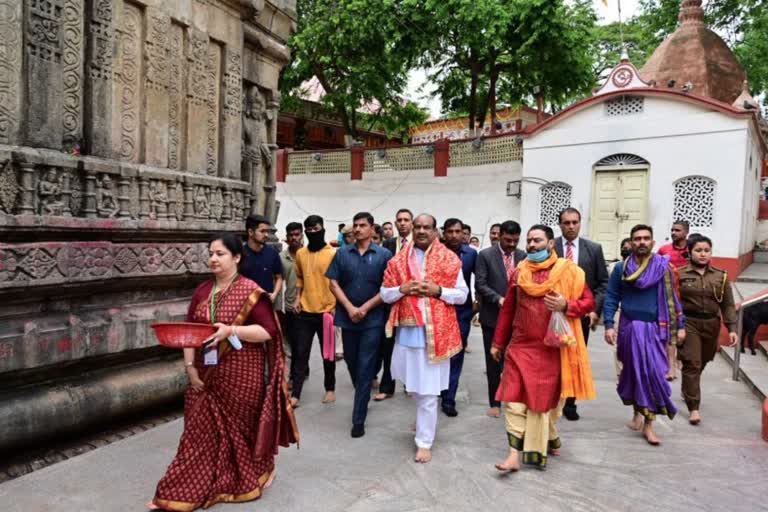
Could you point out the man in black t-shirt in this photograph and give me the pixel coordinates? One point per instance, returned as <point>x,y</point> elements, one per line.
<point>261,262</point>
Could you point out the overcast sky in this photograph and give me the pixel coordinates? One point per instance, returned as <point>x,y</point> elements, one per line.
<point>419,88</point>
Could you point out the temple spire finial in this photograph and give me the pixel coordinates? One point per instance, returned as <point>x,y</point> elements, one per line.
<point>691,13</point>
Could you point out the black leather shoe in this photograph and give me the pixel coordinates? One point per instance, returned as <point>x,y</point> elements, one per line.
<point>571,414</point>
<point>357,431</point>
<point>451,412</point>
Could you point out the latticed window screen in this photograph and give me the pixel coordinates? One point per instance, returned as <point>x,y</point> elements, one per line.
<point>695,201</point>
<point>554,198</point>
<point>624,106</point>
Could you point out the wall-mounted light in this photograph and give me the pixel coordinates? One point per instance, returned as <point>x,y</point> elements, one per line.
<point>477,143</point>
<point>382,154</point>
<point>317,157</point>
<point>514,189</point>
<point>429,149</point>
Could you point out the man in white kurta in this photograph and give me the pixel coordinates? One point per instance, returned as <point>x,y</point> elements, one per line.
<point>410,359</point>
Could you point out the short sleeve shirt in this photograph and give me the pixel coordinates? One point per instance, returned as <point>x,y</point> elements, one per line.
<point>261,267</point>
<point>360,277</point>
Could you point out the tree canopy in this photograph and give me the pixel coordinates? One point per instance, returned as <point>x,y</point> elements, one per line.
<point>482,53</point>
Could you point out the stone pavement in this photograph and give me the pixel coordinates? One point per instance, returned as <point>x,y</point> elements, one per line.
<point>720,465</point>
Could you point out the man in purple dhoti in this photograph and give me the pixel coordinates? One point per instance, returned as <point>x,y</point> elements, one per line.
<point>651,317</point>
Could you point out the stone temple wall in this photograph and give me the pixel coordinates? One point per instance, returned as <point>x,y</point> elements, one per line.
<point>129,131</point>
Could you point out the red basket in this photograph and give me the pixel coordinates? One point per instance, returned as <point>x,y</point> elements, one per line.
<point>182,334</point>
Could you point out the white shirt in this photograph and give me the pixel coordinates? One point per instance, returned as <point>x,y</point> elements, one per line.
<point>575,249</point>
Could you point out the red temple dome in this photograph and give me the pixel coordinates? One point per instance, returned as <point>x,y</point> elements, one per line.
<point>695,54</point>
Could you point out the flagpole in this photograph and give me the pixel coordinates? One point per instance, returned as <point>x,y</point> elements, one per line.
<point>621,27</point>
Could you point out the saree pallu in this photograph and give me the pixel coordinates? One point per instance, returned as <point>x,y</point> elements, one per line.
<point>234,425</point>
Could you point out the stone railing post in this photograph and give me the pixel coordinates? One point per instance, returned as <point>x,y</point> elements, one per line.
<point>281,169</point>
<point>357,162</point>
<point>442,157</point>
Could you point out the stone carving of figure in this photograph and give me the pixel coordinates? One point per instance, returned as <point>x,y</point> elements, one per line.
<point>257,149</point>
<point>202,209</point>
<point>106,206</point>
<point>158,200</point>
<point>237,205</point>
<point>49,190</point>
<point>217,204</point>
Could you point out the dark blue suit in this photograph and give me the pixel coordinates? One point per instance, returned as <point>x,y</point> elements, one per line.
<point>464,315</point>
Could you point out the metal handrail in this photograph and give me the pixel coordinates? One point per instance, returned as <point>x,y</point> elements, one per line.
<point>740,331</point>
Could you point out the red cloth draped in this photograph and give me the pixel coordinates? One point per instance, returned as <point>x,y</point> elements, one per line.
<point>532,370</point>
<point>234,425</point>
<point>442,267</point>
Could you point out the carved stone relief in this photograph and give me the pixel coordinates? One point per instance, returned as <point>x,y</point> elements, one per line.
<point>127,111</point>
<point>106,204</point>
<point>9,188</point>
<point>10,69</point>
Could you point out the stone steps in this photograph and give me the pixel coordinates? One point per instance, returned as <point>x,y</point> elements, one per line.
<point>753,370</point>
<point>755,273</point>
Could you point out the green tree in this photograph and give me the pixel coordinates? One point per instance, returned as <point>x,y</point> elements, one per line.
<point>612,39</point>
<point>491,50</point>
<point>359,52</point>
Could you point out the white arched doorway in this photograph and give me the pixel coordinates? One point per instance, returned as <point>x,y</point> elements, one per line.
<point>619,199</point>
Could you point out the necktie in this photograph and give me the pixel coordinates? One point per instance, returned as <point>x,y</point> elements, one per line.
<point>569,251</point>
<point>508,263</point>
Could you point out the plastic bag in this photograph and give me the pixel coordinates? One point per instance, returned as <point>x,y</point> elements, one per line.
<point>559,331</point>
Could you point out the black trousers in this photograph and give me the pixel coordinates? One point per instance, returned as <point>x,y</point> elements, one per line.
<point>492,367</point>
<point>387,383</point>
<point>570,403</point>
<point>306,327</point>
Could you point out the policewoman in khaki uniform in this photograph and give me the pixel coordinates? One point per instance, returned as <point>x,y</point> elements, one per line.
<point>706,296</point>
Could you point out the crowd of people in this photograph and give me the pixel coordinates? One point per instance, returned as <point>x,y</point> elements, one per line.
<point>395,302</point>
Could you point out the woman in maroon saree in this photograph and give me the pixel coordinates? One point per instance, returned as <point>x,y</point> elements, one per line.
<point>236,412</point>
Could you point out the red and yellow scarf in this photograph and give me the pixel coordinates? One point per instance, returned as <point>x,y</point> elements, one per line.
<point>441,266</point>
<point>567,279</point>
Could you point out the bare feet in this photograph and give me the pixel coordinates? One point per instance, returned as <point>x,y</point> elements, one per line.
<point>294,402</point>
<point>467,350</point>
<point>378,397</point>
<point>423,455</point>
<point>151,505</point>
<point>555,452</point>
<point>329,397</point>
<point>375,384</point>
<point>413,427</point>
<point>511,463</point>
<point>271,479</point>
<point>650,435</point>
<point>493,412</point>
<point>339,356</point>
<point>636,424</point>
<point>695,418</point>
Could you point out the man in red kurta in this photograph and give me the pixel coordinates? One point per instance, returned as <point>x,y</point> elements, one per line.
<point>536,377</point>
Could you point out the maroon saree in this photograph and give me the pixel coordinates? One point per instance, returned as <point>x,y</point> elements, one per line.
<point>235,424</point>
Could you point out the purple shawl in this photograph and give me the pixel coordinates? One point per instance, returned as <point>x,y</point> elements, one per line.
<point>659,273</point>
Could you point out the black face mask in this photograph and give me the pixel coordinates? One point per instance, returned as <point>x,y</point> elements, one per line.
<point>316,240</point>
<point>626,253</point>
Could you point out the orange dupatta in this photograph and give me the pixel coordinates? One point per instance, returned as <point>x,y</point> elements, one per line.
<point>567,279</point>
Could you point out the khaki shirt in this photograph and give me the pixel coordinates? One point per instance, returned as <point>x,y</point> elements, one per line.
<point>286,298</point>
<point>709,294</point>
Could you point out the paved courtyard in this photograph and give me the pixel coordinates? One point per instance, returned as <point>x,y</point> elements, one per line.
<point>720,465</point>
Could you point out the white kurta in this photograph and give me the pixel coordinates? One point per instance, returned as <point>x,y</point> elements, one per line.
<point>410,362</point>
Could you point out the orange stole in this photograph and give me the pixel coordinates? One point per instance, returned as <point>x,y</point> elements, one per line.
<point>567,279</point>
<point>441,266</point>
